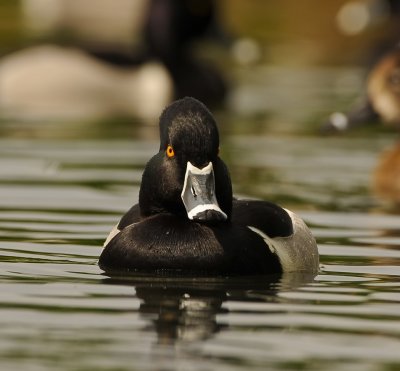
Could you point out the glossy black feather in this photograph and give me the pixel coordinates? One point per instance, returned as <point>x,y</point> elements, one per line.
<point>168,242</point>
<point>156,234</point>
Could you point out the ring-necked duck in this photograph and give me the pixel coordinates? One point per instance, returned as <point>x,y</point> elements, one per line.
<point>188,220</point>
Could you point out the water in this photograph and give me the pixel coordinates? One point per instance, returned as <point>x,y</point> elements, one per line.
<point>59,198</point>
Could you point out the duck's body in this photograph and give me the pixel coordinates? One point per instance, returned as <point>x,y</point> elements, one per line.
<point>50,82</point>
<point>187,220</point>
<point>260,238</point>
<point>386,182</point>
<point>134,66</point>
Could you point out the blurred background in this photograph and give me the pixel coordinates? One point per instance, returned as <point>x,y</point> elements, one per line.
<point>262,66</point>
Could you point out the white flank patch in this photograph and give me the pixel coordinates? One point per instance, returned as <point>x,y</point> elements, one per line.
<point>296,253</point>
<point>112,234</point>
<point>277,248</point>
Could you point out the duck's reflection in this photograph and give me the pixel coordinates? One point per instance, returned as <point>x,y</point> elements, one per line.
<point>187,309</point>
<point>178,313</point>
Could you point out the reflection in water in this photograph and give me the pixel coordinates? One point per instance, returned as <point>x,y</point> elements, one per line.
<point>182,314</point>
<point>186,309</point>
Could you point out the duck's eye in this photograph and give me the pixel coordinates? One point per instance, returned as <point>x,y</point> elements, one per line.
<point>170,151</point>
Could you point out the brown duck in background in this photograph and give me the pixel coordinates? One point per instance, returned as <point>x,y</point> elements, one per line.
<point>383,88</point>
<point>382,104</point>
<point>384,92</point>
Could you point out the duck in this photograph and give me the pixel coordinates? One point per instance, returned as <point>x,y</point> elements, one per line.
<point>379,103</point>
<point>187,220</point>
<point>169,33</point>
<point>384,90</point>
<point>382,104</point>
<point>51,83</point>
<point>143,61</point>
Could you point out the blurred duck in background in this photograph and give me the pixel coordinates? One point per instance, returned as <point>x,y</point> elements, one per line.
<point>170,30</point>
<point>382,103</point>
<point>383,88</point>
<point>131,59</point>
<point>381,100</point>
<point>384,93</point>
<point>50,82</point>
<point>381,20</point>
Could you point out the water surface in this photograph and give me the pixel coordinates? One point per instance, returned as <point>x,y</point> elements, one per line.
<point>60,198</point>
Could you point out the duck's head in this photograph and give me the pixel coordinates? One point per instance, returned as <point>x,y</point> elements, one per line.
<point>187,177</point>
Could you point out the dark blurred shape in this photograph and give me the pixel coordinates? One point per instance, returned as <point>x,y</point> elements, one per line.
<point>171,27</point>
<point>170,30</point>
<point>391,36</point>
<point>173,24</point>
<point>360,114</point>
<point>394,6</point>
<point>382,101</point>
<point>103,68</point>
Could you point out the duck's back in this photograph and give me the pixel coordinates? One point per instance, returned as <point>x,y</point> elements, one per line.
<point>283,233</point>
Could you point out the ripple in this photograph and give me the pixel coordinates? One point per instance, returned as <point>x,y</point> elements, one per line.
<point>60,311</point>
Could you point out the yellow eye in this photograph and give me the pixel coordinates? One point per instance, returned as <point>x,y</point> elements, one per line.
<point>170,151</point>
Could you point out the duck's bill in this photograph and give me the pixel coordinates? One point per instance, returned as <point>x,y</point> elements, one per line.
<point>198,194</point>
<point>361,114</point>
